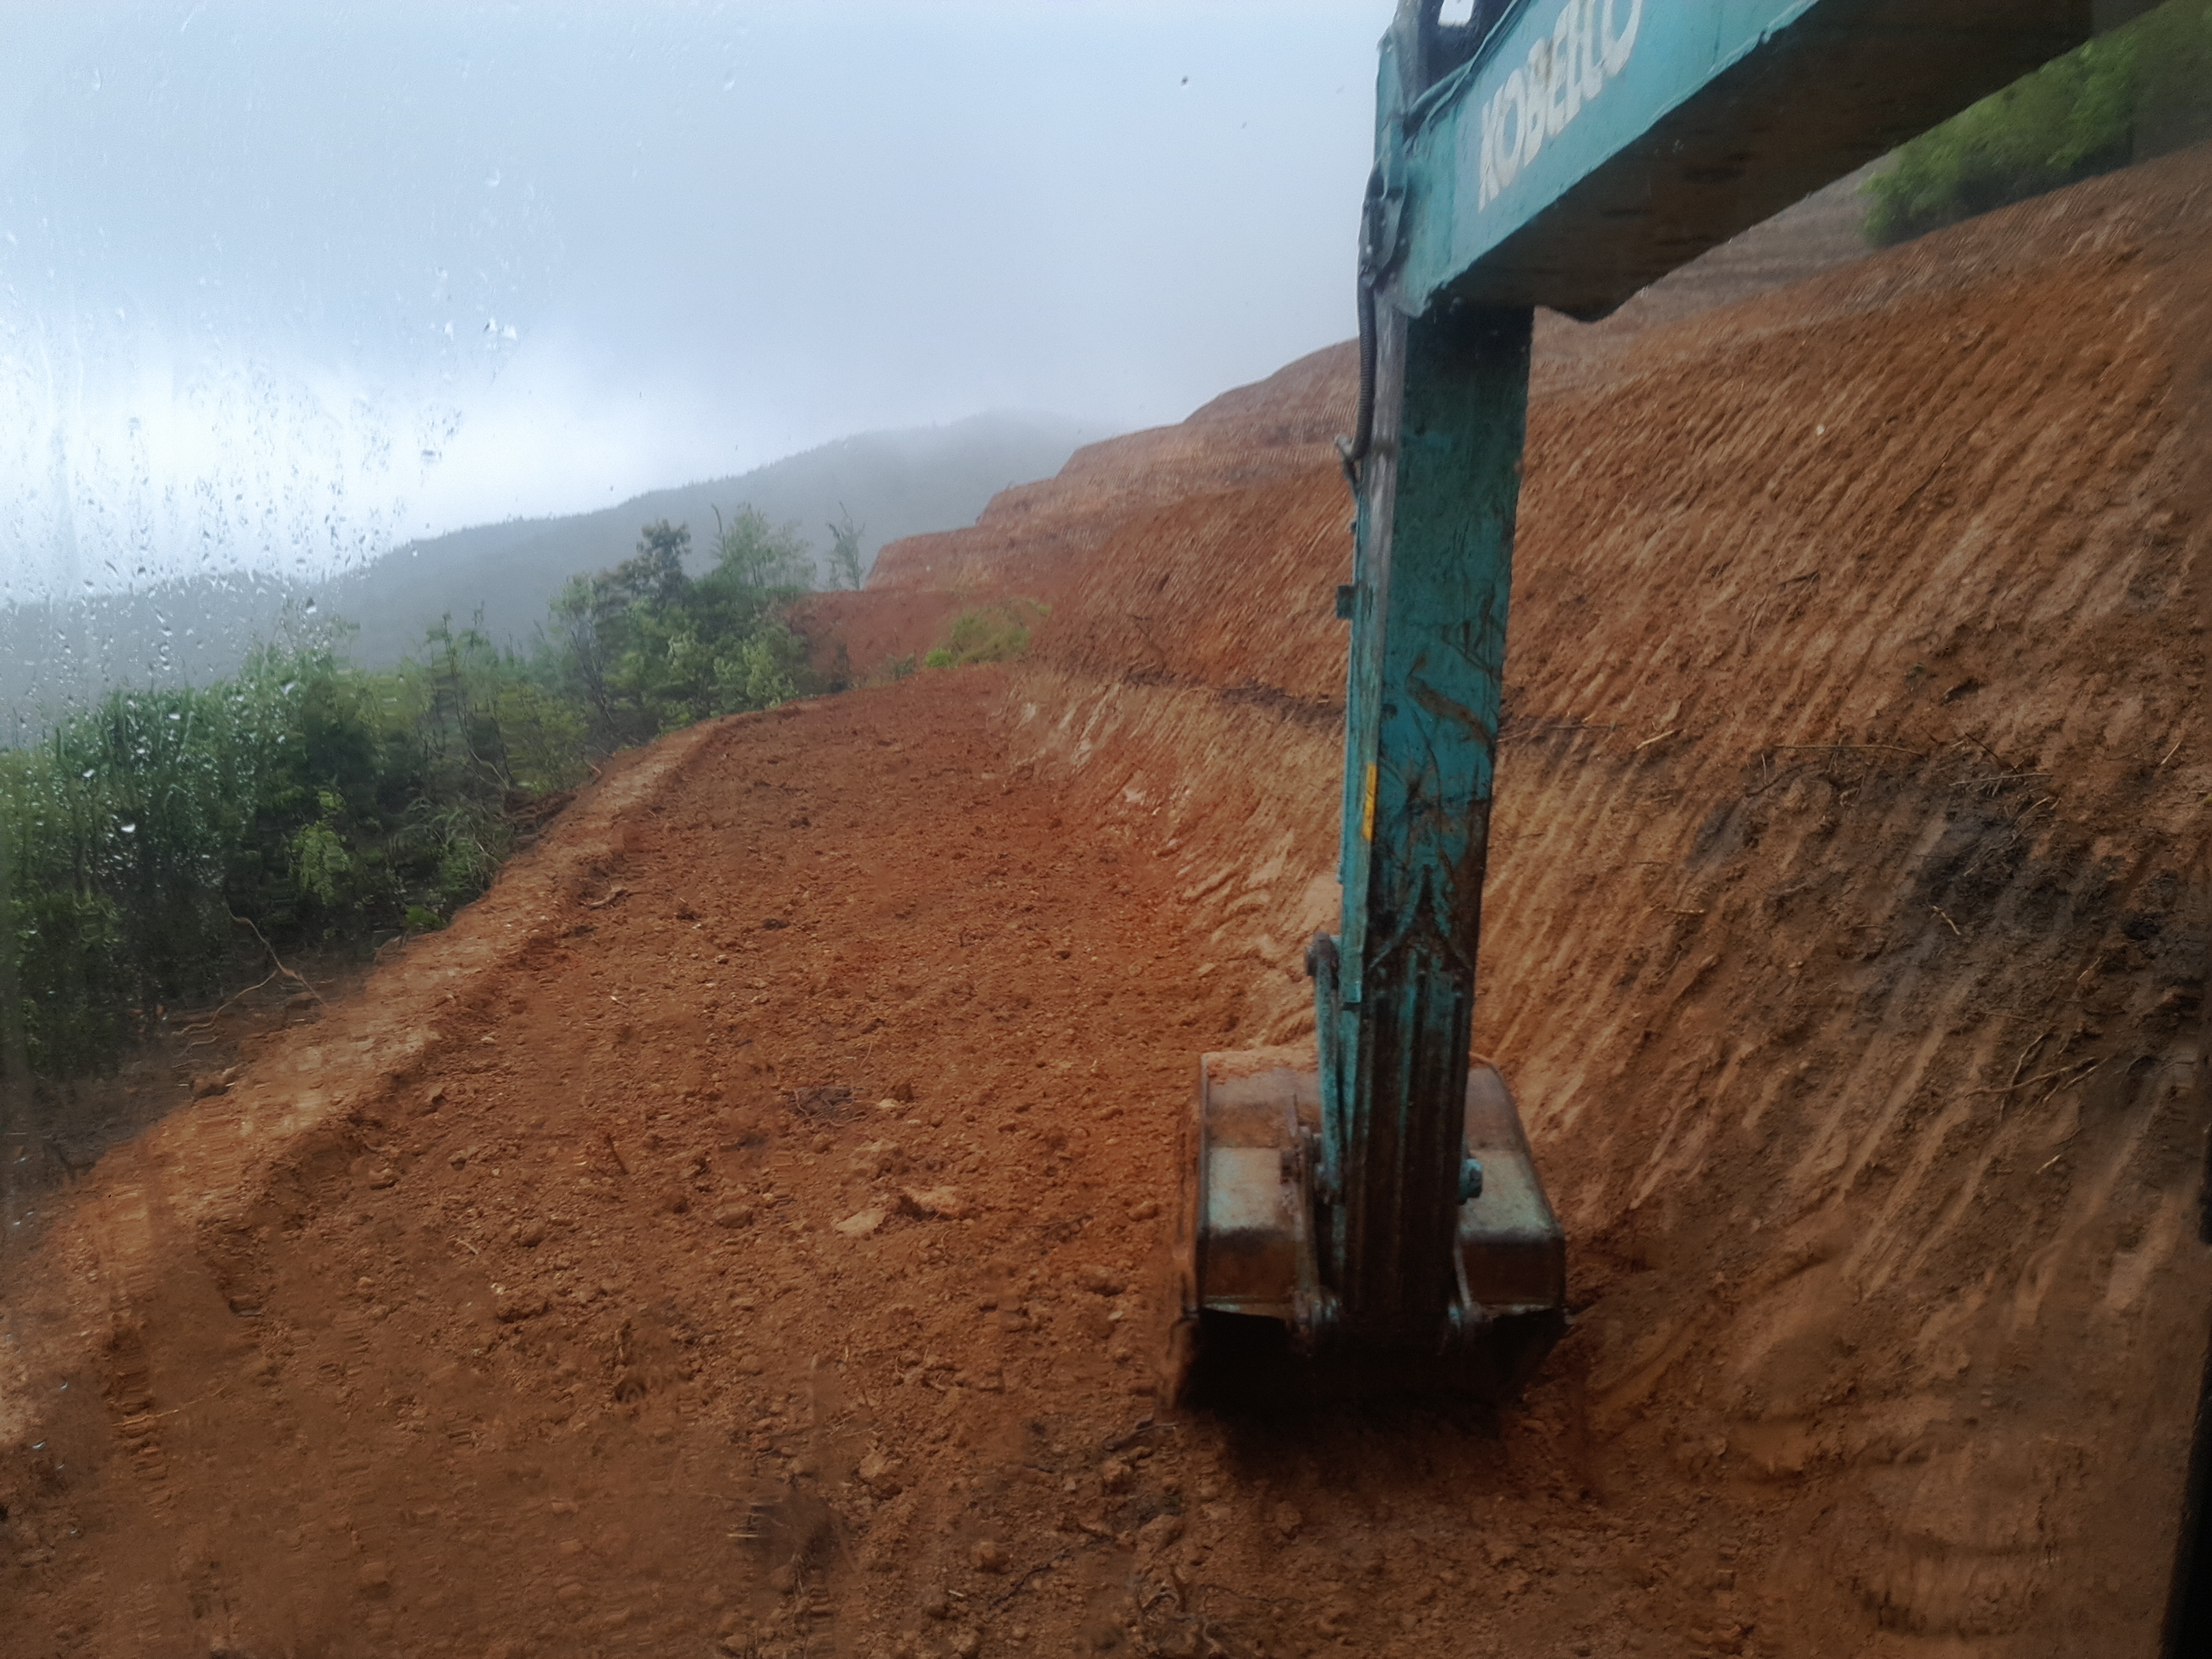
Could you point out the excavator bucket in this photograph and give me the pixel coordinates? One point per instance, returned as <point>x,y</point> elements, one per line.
<point>1255,1326</point>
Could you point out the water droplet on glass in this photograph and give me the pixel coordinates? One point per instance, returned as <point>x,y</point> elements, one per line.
<point>130,828</point>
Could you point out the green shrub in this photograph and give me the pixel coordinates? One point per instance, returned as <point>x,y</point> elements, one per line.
<point>644,648</point>
<point>2126,96</point>
<point>992,633</point>
<point>152,849</point>
<point>151,845</point>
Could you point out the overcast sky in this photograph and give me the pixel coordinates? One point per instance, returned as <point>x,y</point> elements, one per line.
<point>282,283</point>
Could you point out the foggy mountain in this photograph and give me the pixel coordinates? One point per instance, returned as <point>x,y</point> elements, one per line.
<point>58,655</point>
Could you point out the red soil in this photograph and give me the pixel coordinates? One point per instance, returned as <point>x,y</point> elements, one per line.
<point>573,1291</point>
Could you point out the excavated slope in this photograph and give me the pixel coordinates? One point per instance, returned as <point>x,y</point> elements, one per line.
<point>1848,916</point>
<point>1028,539</point>
<point>1033,539</point>
<point>571,1293</point>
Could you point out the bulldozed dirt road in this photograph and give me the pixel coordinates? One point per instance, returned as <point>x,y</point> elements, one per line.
<point>576,1291</point>
<point>745,1223</point>
<point>595,1262</point>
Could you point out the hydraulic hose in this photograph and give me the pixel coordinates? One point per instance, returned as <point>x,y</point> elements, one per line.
<point>1351,452</point>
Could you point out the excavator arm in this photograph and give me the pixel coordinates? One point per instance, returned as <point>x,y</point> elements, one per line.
<point>1366,1214</point>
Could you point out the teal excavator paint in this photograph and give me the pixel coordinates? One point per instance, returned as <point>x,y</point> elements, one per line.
<point>1366,1214</point>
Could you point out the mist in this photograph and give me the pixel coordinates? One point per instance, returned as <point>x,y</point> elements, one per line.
<point>282,288</point>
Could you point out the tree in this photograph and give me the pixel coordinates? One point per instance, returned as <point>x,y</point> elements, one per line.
<point>750,552</point>
<point>655,573</point>
<point>845,551</point>
<point>579,642</point>
<point>610,630</point>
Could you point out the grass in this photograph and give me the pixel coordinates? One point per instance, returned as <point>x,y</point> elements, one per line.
<point>991,632</point>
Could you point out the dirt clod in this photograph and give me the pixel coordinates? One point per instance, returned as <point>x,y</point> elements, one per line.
<point>878,1473</point>
<point>1157,1534</point>
<point>936,1203</point>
